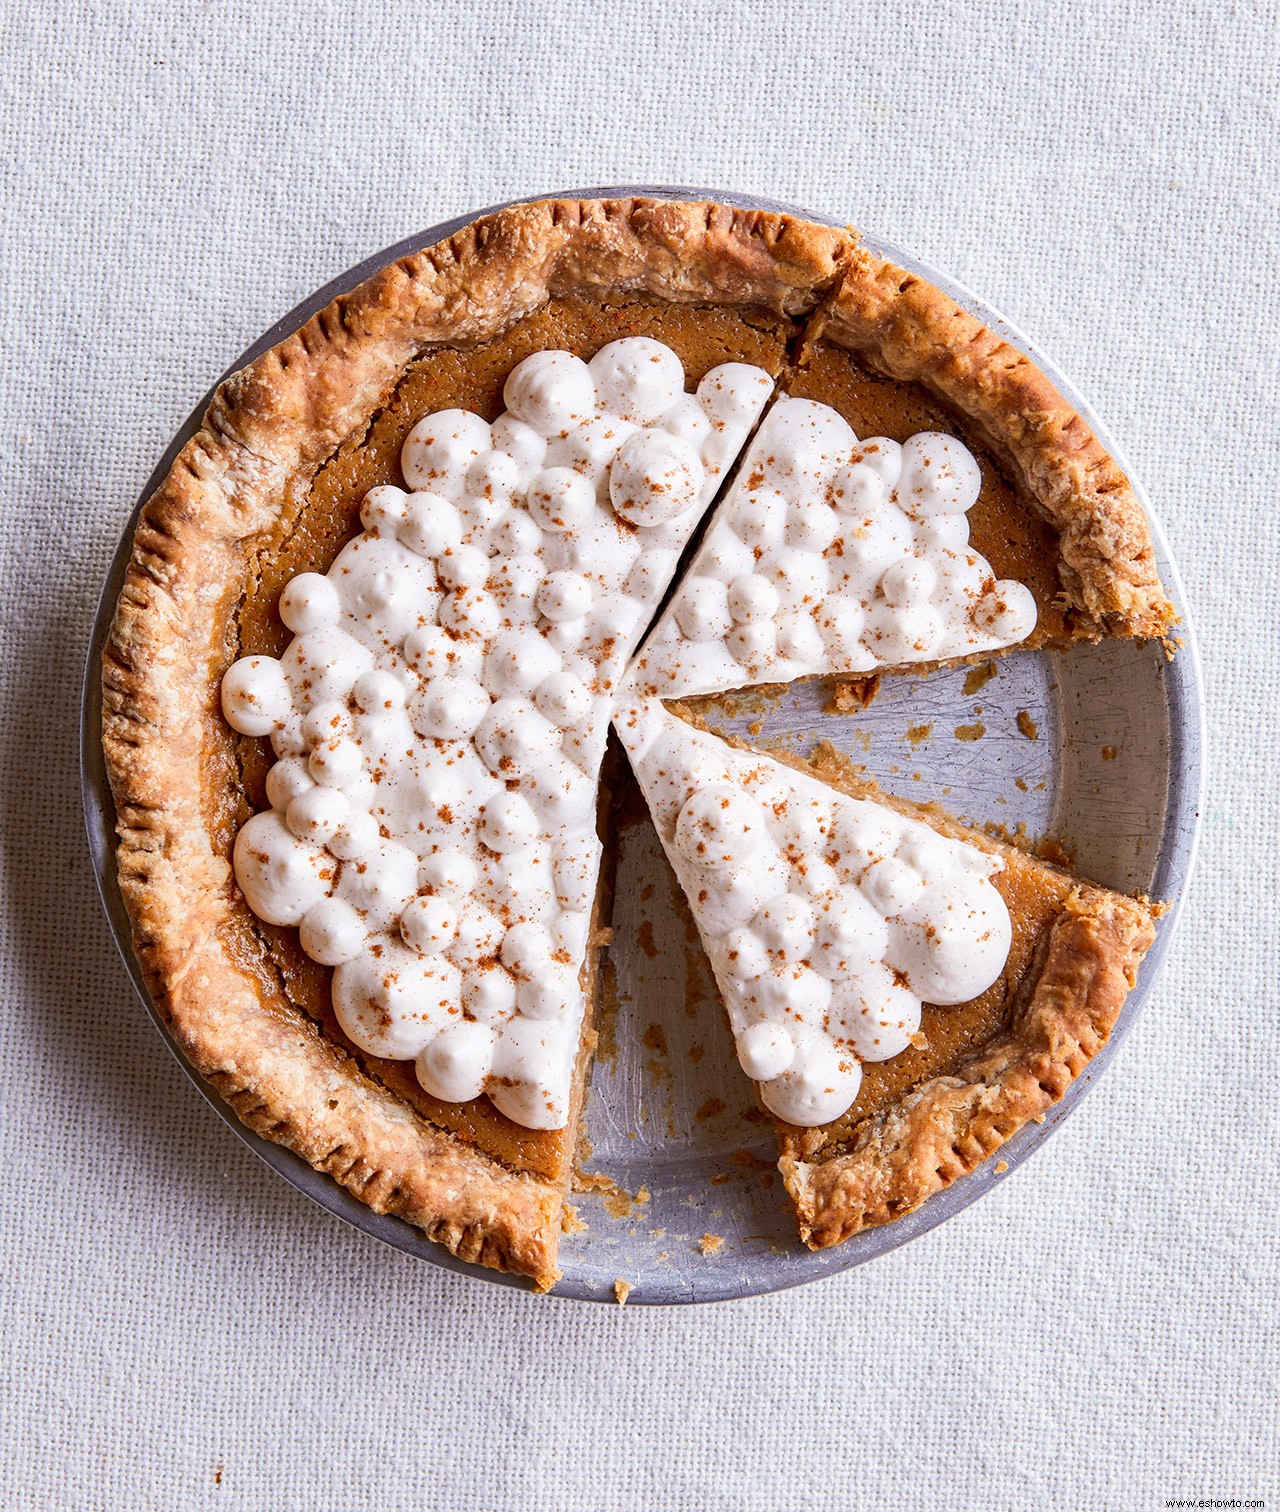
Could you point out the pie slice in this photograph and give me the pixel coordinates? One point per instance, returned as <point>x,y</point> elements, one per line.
<point>905,991</point>
<point>832,554</point>
<point>922,495</point>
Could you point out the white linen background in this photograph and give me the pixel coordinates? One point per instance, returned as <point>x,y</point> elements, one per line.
<point>1100,1331</point>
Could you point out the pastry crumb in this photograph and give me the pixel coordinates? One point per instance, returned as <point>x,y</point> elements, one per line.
<point>917,733</point>
<point>1001,1167</point>
<point>711,1244</point>
<point>970,731</point>
<point>978,677</point>
<point>849,697</point>
<point>1027,726</point>
<point>1108,753</point>
<point>655,1038</point>
<point>571,1221</point>
<point>622,1290</point>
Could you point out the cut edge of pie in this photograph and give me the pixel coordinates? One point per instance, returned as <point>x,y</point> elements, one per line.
<point>272,425</point>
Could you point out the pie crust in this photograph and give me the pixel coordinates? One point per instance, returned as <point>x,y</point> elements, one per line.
<point>246,472</point>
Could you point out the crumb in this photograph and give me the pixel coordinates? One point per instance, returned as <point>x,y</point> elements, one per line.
<point>622,1290</point>
<point>655,1038</point>
<point>217,1475</point>
<point>660,1233</point>
<point>1020,784</point>
<point>970,731</point>
<point>917,733</point>
<point>1108,753</point>
<point>756,726</point>
<point>710,1109</point>
<point>618,1202</point>
<point>720,1178</point>
<point>571,1221</point>
<point>1027,726</point>
<point>711,1244</point>
<point>978,677</point>
<point>1001,1167</point>
<point>849,697</point>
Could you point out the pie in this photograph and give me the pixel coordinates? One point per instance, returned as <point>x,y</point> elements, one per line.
<point>378,617</point>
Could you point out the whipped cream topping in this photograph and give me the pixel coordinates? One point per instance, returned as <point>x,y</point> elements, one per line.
<point>827,919</point>
<point>440,715</point>
<point>834,555</point>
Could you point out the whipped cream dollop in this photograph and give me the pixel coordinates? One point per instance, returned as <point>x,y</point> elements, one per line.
<point>827,920</point>
<point>834,555</point>
<point>441,713</point>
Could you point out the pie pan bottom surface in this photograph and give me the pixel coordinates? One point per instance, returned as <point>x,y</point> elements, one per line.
<point>1098,748</point>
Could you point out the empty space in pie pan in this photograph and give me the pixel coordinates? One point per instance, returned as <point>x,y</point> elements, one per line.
<point>1099,748</point>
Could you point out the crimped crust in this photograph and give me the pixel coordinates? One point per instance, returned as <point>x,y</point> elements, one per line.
<point>904,327</point>
<point>266,431</point>
<point>949,1124</point>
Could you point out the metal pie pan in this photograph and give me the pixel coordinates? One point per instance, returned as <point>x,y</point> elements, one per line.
<point>1114,771</point>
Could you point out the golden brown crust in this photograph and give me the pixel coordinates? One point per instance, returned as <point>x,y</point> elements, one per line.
<point>949,1124</point>
<point>266,431</point>
<point>901,325</point>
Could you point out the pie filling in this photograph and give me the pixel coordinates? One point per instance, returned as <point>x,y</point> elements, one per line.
<point>440,715</point>
<point>439,722</point>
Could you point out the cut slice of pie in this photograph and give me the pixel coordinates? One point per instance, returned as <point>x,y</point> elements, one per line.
<point>905,991</point>
<point>271,488</point>
<point>835,555</point>
<point>922,495</point>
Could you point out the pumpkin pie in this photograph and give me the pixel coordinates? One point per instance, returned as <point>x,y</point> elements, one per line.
<point>357,683</point>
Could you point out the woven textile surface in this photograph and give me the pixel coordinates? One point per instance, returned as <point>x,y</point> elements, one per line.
<point>178,1328</point>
